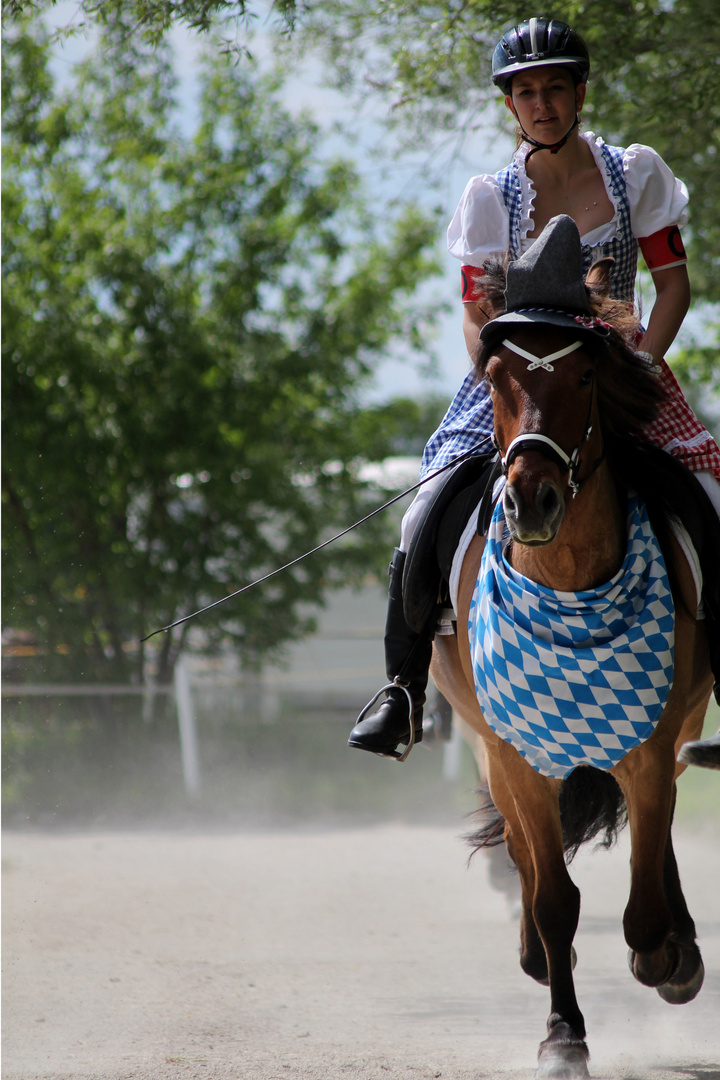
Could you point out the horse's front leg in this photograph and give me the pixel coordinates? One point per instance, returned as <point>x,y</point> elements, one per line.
<point>533,960</point>
<point>555,912</point>
<point>685,984</point>
<point>646,779</point>
<point>657,924</point>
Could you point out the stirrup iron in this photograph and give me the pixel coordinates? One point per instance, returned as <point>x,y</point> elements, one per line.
<point>395,685</point>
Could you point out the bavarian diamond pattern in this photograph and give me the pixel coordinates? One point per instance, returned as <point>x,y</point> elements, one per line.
<point>574,678</point>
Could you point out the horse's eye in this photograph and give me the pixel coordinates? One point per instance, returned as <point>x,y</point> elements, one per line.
<point>587,378</point>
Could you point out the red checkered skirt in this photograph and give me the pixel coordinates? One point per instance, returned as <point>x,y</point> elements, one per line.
<point>678,431</point>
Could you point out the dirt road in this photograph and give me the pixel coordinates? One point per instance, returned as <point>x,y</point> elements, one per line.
<point>361,953</point>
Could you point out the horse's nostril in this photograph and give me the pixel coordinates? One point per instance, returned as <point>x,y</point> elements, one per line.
<point>512,502</point>
<point>548,499</point>
<point>533,511</point>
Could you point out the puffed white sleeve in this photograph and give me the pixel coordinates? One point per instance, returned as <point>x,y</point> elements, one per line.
<point>657,198</point>
<point>480,225</point>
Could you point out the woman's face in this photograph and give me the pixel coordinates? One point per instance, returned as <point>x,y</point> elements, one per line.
<point>545,100</point>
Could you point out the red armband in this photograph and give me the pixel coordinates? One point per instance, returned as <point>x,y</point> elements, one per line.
<point>472,289</point>
<point>663,249</point>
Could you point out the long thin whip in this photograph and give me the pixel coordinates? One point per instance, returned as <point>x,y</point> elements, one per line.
<point>326,543</point>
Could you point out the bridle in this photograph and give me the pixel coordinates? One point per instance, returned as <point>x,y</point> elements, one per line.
<point>569,463</point>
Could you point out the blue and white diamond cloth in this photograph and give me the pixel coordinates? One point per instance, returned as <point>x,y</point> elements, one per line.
<point>573,678</point>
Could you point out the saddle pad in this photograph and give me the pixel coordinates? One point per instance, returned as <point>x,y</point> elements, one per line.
<point>573,678</point>
<point>422,572</point>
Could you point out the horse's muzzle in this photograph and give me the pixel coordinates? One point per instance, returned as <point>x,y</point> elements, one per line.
<point>533,516</point>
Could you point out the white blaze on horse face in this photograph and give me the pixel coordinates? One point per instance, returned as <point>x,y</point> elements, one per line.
<point>544,362</point>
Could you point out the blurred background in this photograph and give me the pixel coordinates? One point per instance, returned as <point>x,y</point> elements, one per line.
<point>229,327</point>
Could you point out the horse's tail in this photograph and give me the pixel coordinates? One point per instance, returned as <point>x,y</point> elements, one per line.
<point>591,804</point>
<point>489,822</point>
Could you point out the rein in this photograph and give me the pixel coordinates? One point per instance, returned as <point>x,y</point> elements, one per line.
<point>259,581</point>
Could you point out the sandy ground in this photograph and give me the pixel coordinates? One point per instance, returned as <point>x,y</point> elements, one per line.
<point>358,953</point>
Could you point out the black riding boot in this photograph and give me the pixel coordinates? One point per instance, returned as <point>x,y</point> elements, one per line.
<point>407,660</point>
<point>704,752</point>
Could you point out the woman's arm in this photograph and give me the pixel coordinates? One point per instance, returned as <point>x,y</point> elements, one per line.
<point>473,321</point>
<point>672,300</point>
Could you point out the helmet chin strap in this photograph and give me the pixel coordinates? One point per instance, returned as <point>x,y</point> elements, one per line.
<point>552,147</point>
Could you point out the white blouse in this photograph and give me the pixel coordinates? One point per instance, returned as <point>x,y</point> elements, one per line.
<point>480,225</point>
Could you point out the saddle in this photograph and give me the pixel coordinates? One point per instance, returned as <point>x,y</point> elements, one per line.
<point>429,558</point>
<point>671,490</point>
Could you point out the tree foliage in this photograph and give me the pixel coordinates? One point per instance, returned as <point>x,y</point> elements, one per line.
<point>188,320</point>
<point>655,79</point>
<point>655,72</point>
<point>151,19</point>
<point>697,369</point>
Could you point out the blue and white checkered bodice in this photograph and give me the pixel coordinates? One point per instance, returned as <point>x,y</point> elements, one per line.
<point>623,248</point>
<point>468,422</point>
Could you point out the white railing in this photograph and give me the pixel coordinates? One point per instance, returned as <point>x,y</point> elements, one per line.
<point>181,688</point>
<point>266,695</point>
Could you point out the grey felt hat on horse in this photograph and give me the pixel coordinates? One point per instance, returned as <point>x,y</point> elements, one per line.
<point>546,285</point>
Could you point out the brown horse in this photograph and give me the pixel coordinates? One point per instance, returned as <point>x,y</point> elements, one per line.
<point>569,398</point>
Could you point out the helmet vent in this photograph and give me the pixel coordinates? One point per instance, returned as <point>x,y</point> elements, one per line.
<point>534,51</point>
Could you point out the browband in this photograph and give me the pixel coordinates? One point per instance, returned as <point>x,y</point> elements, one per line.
<point>544,362</point>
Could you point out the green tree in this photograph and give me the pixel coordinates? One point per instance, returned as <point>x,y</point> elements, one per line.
<point>151,19</point>
<point>698,370</point>
<point>655,71</point>
<point>655,79</point>
<point>188,322</point>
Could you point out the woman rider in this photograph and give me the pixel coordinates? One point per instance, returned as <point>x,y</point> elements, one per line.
<point>619,199</point>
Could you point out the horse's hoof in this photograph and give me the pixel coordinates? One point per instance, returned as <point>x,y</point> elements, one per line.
<point>563,1069</point>
<point>686,982</point>
<point>563,1056</point>
<point>651,976</point>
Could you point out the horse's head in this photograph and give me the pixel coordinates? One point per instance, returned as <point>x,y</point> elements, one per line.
<point>559,361</point>
<point>542,382</point>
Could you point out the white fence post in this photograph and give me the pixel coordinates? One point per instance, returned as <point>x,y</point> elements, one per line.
<point>148,700</point>
<point>186,725</point>
<point>452,754</point>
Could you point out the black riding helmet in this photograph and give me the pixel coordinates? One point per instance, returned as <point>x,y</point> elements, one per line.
<point>535,43</point>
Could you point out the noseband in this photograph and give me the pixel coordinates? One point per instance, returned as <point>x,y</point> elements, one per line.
<point>569,463</point>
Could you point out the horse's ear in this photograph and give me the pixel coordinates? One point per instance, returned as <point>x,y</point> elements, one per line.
<point>598,276</point>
